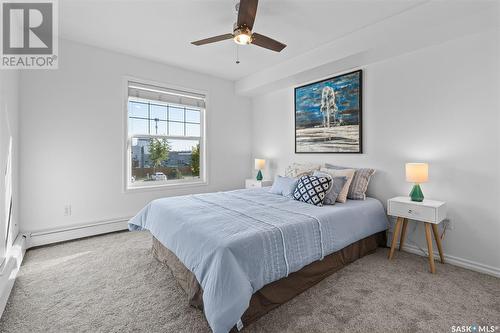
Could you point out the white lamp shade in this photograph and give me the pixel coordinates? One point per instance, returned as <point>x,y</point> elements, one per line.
<point>417,172</point>
<point>260,164</point>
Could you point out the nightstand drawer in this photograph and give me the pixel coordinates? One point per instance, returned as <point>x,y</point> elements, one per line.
<point>421,213</point>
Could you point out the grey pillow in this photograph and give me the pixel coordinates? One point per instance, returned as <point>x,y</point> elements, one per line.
<point>284,186</point>
<point>360,181</point>
<point>335,188</point>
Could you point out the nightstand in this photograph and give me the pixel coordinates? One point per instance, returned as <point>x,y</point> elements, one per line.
<point>253,183</point>
<point>430,212</point>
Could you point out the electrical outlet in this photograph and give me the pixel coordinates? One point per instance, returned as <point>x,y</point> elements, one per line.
<point>67,210</point>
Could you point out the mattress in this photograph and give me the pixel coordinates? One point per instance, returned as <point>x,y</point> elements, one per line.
<point>237,242</point>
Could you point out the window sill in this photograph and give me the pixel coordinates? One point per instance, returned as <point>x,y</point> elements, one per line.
<point>171,186</point>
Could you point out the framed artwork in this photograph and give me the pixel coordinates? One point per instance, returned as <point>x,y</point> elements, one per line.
<point>328,115</point>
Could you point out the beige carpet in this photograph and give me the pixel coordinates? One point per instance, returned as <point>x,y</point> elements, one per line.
<point>111,283</point>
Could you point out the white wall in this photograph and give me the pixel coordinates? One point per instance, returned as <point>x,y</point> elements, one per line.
<point>9,95</point>
<point>72,137</point>
<point>439,105</point>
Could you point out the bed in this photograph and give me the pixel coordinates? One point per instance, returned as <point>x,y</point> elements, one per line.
<point>238,254</point>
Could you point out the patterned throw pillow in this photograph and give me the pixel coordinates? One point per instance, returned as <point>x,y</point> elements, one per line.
<point>312,190</point>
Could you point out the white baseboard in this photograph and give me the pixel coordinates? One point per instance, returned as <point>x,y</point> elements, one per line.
<point>10,268</point>
<point>60,235</point>
<point>456,261</point>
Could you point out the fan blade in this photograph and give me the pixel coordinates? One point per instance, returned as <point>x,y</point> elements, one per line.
<point>212,39</point>
<point>246,13</point>
<point>266,42</point>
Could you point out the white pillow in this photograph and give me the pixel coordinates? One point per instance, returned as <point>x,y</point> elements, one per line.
<point>348,173</point>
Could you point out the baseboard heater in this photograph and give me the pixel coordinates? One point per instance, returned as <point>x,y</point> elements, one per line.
<point>78,231</point>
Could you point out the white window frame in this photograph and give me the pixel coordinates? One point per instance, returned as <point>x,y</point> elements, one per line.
<point>127,139</point>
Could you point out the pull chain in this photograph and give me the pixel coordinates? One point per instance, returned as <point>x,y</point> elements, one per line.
<point>237,54</point>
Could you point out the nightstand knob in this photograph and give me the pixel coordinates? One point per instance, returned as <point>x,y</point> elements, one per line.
<point>410,211</point>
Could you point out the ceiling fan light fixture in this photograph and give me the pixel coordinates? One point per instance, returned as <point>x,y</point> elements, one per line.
<point>242,39</point>
<point>242,36</point>
<point>242,30</point>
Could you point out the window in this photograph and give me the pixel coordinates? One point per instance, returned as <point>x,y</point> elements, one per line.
<point>165,136</point>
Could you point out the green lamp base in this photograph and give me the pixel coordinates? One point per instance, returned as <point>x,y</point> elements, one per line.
<point>416,193</point>
<point>259,175</point>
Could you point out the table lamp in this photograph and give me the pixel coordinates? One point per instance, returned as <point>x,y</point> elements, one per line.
<point>417,173</point>
<point>259,165</point>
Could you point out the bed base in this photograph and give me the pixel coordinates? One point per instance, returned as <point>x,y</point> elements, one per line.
<point>279,292</point>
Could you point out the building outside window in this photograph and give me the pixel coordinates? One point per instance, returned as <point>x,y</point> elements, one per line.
<point>165,136</point>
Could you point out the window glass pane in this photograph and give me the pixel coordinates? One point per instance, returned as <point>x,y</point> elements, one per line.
<point>158,112</point>
<point>148,161</point>
<point>193,116</point>
<point>184,159</point>
<point>158,127</point>
<point>192,129</point>
<point>137,126</point>
<point>176,129</point>
<point>156,161</point>
<point>140,159</point>
<point>136,109</point>
<point>175,113</point>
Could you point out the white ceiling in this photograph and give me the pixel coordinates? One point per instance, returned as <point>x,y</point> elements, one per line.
<point>162,30</point>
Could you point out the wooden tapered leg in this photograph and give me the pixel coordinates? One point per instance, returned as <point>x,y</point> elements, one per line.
<point>395,236</point>
<point>429,246</point>
<point>438,241</point>
<point>403,234</point>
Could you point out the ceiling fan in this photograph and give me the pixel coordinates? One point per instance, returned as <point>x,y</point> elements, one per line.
<point>242,32</point>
